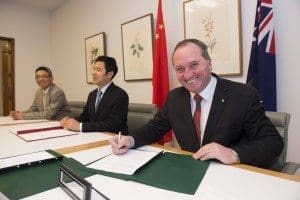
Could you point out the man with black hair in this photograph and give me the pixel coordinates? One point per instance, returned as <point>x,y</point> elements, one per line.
<point>107,106</point>
<point>49,101</point>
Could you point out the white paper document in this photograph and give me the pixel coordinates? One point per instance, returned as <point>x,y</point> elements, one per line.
<point>24,159</point>
<point>90,155</point>
<point>33,126</point>
<point>126,163</point>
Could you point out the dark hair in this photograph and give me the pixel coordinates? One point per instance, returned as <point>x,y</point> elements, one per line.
<point>46,69</point>
<point>199,43</point>
<point>110,64</point>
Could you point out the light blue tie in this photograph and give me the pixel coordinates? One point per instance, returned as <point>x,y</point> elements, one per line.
<point>98,98</point>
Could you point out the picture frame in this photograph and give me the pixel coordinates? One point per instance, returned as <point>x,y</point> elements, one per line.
<point>137,48</point>
<point>94,47</point>
<point>218,25</point>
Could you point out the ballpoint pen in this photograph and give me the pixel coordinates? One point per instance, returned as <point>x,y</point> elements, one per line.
<point>119,137</point>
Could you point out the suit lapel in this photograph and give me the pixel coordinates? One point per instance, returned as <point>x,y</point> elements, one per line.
<point>47,100</point>
<point>217,107</point>
<point>104,99</point>
<point>187,122</point>
<point>48,94</point>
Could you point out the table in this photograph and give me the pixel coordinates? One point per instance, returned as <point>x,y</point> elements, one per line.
<point>13,146</point>
<point>221,182</point>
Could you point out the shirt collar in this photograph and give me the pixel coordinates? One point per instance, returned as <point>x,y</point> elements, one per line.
<point>208,92</point>
<point>105,87</point>
<point>46,91</point>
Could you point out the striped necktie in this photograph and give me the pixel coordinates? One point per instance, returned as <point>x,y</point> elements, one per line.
<point>197,116</point>
<point>98,98</point>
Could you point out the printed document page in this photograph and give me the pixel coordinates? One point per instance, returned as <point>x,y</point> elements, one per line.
<point>126,163</point>
<point>90,155</point>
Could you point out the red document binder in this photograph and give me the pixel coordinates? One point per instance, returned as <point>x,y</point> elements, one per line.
<point>39,130</point>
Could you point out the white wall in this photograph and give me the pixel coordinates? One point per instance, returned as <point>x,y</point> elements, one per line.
<point>30,29</point>
<point>288,73</point>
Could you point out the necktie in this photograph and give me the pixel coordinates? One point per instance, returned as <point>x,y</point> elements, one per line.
<point>98,98</point>
<point>197,115</point>
<point>44,100</point>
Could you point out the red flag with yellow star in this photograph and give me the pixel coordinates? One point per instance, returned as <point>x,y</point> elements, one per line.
<point>160,76</point>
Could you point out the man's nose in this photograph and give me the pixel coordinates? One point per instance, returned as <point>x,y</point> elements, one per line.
<point>188,73</point>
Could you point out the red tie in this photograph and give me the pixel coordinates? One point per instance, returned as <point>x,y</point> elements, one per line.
<point>197,115</point>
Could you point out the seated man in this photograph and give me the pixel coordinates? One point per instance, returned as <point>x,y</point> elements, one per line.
<point>49,101</point>
<point>107,106</point>
<point>210,116</point>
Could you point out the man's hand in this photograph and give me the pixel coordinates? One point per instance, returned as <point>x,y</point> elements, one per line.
<point>63,121</point>
<point>70,124</point>
<point>121,145</point>
<point>17,115</point>
<point>217,151</point>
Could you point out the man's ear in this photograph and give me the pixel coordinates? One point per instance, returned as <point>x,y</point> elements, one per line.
<point>110,74</point>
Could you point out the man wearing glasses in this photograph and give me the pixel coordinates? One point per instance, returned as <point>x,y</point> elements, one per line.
<point>49,101</point>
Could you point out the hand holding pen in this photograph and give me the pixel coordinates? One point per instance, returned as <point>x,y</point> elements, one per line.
<point>121,144</point>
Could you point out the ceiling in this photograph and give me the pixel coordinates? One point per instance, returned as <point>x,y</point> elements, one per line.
<point>43,4</point>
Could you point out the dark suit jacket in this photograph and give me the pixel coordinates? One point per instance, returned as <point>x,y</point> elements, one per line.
<point>237,119</point>
<point>112,112</point>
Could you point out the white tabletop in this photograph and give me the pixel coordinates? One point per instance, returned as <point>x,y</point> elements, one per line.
<point>11,144</point>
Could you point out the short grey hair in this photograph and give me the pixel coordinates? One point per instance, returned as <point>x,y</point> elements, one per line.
<point>199,43</point>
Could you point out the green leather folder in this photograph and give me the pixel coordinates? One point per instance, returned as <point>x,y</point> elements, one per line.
<point>169,171</point>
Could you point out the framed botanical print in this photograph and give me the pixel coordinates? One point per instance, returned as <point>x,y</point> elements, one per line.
<point>217,24</point>
<point>137,46</point>
<point>94,47</point>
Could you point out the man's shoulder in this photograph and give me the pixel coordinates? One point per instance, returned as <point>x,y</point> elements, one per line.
<point>55,89</point>
<point>179,91</point>
<point>115,88</point>
<point>233,86</point>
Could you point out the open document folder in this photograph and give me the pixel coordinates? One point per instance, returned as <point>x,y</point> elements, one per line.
<point>42,133</point>
<point>165,170</point>
<point>127,163</point>
<point>27,159</point>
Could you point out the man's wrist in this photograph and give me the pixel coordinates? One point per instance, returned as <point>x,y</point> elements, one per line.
<point>236,156</point>
<point>131,142</point>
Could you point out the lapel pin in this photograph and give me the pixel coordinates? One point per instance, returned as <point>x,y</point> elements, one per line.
<point>222,100</point>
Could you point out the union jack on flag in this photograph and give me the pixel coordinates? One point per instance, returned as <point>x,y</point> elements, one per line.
<point>262,66</point>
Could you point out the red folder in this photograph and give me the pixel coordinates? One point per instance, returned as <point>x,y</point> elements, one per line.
<point>39,130</point>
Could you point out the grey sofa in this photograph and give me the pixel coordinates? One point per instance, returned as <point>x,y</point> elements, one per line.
<point>138,113</point>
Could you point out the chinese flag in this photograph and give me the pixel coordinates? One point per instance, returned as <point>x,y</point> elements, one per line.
<point>160,77</point>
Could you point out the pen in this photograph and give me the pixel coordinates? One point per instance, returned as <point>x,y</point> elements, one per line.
<point>119,137</point>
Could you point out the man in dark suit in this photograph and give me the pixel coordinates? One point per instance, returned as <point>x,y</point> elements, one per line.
<point>233,125</point>
<point>107,106</point>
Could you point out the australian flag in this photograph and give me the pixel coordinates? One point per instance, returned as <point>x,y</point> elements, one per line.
<point>262,66</point>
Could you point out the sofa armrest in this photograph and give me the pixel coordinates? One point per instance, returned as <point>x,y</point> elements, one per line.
<point>291,168</point>
<point>76,108</point>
